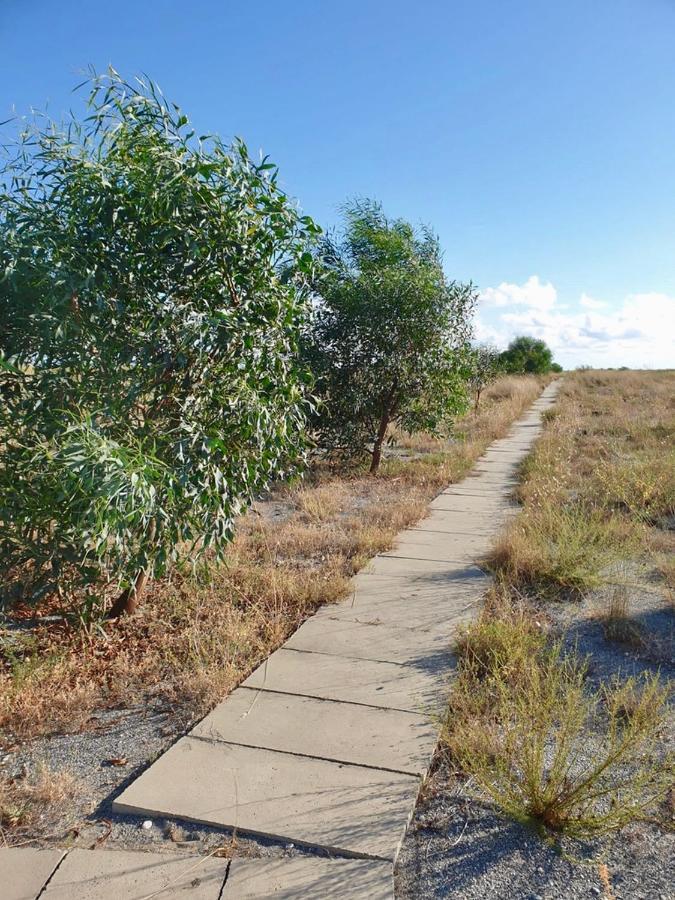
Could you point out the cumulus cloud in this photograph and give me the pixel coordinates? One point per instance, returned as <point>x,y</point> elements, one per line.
<point>638,331</point>
<point>533,294</point>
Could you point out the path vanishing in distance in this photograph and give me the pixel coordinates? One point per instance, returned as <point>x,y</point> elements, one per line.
<point>326,744</point>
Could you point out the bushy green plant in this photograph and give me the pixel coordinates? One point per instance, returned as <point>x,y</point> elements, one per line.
<point>152,289</point>
<point>527,355</point>
<point>390,337</point>
<point>572,548</point>
<point>546,748</point>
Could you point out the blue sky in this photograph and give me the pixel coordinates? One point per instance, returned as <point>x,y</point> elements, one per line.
<point>536,136</point>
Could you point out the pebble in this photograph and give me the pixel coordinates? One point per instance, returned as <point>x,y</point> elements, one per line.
<point>147,825</point>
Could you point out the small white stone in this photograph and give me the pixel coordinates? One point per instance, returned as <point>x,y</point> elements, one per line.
<point>147,824</point>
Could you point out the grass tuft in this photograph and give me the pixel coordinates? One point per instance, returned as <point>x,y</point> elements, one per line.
<point>546,749</point>
<point>24,799</point>
<point>617,623</point>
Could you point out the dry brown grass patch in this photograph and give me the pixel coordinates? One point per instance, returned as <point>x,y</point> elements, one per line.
<point>31,796</point>
<point>603,471</point>
<point>617,623</point>
<point>200,633</point>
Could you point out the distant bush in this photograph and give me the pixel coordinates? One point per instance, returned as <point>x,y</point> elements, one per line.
<point>528,355</point>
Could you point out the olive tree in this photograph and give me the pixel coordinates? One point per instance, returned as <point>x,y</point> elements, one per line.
<point>389,341</point>
<point>152,289</point>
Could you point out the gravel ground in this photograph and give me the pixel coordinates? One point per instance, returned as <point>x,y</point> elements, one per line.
<point>457,847</point>
<point>103,761</point>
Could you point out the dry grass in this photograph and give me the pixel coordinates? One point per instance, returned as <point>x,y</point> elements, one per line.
<point>200,633</point>
<point>523,720</point>
<point>603,472</point>
<point>617,623</point>
<point>24,799</point>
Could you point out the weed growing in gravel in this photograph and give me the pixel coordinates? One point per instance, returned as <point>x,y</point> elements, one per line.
<point>546,749</point>
<point>617,623</point>
<point>553,548</point>
<point>24,798</point>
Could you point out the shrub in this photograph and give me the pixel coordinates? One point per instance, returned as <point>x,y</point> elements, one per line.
<point>552,547</point>
<point>527,355</point>
<point>150,333</point>
<point>389,340</point>
<point>484,369</point>
<point>551,752</point>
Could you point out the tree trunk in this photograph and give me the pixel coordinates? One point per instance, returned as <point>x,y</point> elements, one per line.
<point>127,602</point>
<point>379,440</point>
<point>477,399</point>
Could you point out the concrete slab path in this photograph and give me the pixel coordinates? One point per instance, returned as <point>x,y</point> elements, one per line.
<point>326,743</point>
<point>325,758</point>
<point>31,874</point>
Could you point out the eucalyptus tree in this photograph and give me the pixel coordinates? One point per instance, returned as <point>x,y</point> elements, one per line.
<point>152,288</point>
<point>389,341</point>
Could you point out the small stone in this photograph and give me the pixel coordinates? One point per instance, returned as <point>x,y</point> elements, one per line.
<point>596,890</point>
<point>290,846</point>
<point>147,825</point>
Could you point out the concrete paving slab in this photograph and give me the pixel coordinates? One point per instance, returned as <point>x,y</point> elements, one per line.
<point>476,506</point>
<point>499,496</point>
<point>396,566</point>
<point>491,479</point>
<point>24,871</point>
<point>431,545</point>
<point>377,684</point>
<point>370,586</point>
<point>427,612</point>
<point>325,729</point>
<point>427,648</point>
<point>377,594</point>
<point>309,879</point>
<point>444,522</point>
<point>342,808</point>
<point>499,452</point>
<point>480,491</point>
<point>127,875</point>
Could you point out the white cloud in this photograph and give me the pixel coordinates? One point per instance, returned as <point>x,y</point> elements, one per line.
<point>591,303</point>
<point>532,294</point>
<point>639,331</point>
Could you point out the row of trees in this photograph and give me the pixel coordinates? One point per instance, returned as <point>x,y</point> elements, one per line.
<point>173,335</point>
